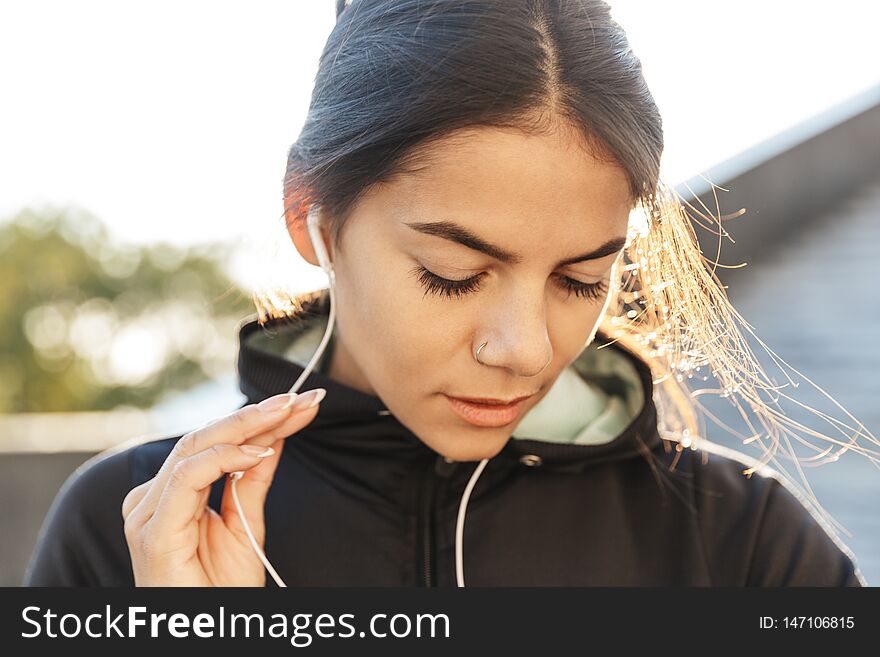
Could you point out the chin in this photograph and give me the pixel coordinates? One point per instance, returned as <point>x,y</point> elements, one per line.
<point>474,451</point>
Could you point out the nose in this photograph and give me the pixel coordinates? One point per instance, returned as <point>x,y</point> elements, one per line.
<point>517,337</point>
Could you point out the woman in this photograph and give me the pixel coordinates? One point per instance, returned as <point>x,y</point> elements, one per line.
<point>481,170</point>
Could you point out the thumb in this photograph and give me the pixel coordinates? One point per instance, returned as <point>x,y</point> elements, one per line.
<point>252,490</point>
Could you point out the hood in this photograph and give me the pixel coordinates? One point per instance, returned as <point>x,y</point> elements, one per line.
<point>599,408</point>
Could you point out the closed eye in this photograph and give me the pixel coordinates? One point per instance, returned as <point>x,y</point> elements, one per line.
<point>437,285</point>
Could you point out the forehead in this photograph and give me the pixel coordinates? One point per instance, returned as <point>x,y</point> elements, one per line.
<point>505,179</point>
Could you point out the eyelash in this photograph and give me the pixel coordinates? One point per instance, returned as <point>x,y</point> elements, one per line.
<point>438,285</point>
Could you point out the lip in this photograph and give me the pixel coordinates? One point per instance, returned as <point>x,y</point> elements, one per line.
<point>492,400</point>
<point>484,415</point>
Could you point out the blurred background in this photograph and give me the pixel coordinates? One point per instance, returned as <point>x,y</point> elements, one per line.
<point>142,149</point>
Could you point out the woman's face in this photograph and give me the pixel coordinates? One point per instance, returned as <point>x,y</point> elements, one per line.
<point>513,207</point>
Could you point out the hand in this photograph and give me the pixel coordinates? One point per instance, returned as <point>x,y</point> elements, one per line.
<point>173,536</point>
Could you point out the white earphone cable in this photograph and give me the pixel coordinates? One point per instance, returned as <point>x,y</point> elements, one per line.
<point>250,536</point>
<point>318,243</point>
<point>459,523</point>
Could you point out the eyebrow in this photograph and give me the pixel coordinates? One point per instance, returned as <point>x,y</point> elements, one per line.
<point>461,235</point>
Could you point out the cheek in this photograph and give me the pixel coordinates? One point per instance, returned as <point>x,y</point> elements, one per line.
<point>392,328</point>
<point>572,328</point>
<point>423,345</point>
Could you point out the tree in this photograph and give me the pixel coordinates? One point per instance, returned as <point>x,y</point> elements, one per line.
<point>88,323</point>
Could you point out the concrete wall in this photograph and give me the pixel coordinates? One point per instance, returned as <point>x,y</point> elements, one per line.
<point>28,484</point>
<point>788,182</point>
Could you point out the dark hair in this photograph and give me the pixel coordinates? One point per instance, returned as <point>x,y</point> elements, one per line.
<point>397,74</point>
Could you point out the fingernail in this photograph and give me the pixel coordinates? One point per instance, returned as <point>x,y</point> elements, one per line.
<point>277,402</point>
<point>309,399</point>
<point>256,450</point>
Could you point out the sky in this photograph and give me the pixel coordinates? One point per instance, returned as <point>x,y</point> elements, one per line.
<point>171,121</point>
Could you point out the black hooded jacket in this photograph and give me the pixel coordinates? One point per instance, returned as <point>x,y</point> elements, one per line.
<point>359,500</point>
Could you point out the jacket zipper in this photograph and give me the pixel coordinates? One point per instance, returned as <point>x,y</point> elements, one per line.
<point>427,522</point>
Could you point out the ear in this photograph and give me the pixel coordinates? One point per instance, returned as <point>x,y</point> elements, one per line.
<point>302,240</point>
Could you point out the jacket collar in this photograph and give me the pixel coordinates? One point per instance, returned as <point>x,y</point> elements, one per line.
<point>612,381</point>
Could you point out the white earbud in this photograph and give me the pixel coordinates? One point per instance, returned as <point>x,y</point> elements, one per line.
<point>313,225</point>
<point>313,222</point>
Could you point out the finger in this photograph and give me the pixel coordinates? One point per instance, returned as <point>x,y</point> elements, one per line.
<point>299,404</point>
<point>273,438</point>
<point>234,429</point>
<point>252,490</point>
<point>291,425</point>
<point>134,496</point>
<point>183,496</point>
<point>253,487</point>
